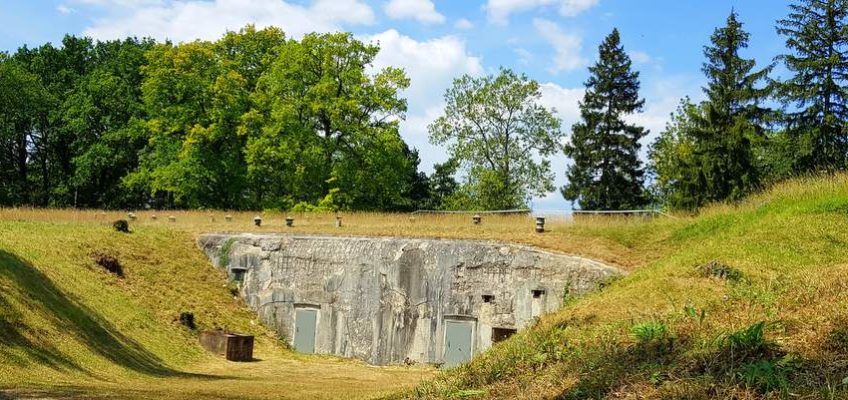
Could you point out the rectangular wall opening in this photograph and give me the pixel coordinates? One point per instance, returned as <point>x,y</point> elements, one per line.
<point>488,298</point>
<point>238,274</point>
<point>538,293</point>
<point>501,334</point>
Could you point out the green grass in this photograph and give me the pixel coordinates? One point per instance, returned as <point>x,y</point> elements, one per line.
<point>742,301</point>
<point>69,328</point>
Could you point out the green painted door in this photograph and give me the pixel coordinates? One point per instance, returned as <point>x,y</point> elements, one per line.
<point>304,330</point>
<point>457,342</point>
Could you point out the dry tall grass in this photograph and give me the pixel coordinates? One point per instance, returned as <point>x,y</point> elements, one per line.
<point>788,246</point>
<point>607,238</point>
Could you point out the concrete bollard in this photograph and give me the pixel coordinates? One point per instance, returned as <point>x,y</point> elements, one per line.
<point>229,218</point>
<point>476,218</point>
<point>172,218</point>
<point>257,220</point>
<point>289,221</point>
<point>540,224</point>
<point>338,221</point>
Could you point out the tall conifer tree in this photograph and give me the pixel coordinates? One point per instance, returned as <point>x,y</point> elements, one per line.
<point>730,120</point>
<point>607,173</point>
<point>817,36</point>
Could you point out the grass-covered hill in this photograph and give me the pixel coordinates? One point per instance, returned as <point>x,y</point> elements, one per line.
<point>70,328</point>
<point>740,302</point>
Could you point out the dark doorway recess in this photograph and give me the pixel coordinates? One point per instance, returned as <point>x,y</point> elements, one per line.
<point>501,334</point>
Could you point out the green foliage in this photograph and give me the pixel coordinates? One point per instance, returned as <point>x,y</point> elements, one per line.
<point>607,173</point>
<point>226,249</point>
<point>252,120</point>
<point>318,115</point>
<point>444,188</point>
<point>765,375</point>
<point>817,89</point>
<point>653,339</point>
<point>647,332</point>
<point>23,101</point>
<point>707,152</point>
<point>672,160</point>
<point>691,312</point>
<point>196,95</point>
<point>493,126</point>
<point>747,343</point>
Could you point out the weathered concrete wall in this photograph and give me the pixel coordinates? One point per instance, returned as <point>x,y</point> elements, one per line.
<point>385,300</point>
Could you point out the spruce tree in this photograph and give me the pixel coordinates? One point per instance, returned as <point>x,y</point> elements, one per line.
<point>607,173</point>
<point>817,37</point>
<point>729,122</point>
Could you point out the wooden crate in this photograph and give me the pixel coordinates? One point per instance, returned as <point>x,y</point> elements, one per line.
<point>234,346</point>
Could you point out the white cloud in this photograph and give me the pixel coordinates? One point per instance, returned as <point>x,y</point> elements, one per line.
<point>571,8</point>
<point>64,10</point>
<point>499,11</point>
<point>420,10</point>
<point>640,57</point>
<point>524,56</point>
<point>121,3</point>
<point>198,19</point>
<point>463,24</point>
<point>564,100</point>
<point>661,99</point>
<point>566,46</point>
<point>431,66</point>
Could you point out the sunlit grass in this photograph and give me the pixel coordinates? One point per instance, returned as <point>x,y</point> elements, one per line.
<point>70,329</point>
<point>789,243</point>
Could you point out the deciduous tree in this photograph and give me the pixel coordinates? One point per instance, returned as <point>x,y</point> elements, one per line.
<point>498,131</point>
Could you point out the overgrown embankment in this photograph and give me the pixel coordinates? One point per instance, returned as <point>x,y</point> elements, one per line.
<point>745,301</point>
<point>72,328</point>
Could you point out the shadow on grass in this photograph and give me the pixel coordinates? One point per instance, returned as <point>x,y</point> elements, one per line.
<point>92,393</point>
<point>100,336</point>
<point>615,366</point>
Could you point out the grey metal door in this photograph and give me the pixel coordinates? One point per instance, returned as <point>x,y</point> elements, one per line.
<point>304,330</point>
<point>457,342</point>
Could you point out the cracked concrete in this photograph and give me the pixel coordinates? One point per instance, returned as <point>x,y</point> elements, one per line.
<point>386,300</point>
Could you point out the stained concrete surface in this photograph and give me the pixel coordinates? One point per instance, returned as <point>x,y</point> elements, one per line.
<point>387,300</point>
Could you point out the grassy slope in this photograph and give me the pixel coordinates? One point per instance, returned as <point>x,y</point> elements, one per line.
<point>69,328</point>
<point>790,246</point>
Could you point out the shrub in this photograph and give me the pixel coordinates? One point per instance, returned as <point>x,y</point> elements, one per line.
<point>652,339</point>
<point>187,320</point>
<point>748,342</point>
<point>121,225</point>
<point>226,248</point>
<point>747,357</point>
<point>109,263</point>
<point>649,331</point>
<point>765,375</point>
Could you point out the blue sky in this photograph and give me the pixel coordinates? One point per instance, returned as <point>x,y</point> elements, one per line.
<point>552,41</point>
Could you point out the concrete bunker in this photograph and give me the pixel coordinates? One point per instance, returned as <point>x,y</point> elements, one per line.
<point>393,300</point>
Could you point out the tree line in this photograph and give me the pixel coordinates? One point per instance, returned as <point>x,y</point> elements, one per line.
<point>257,120</point>
<point>253,120</point>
